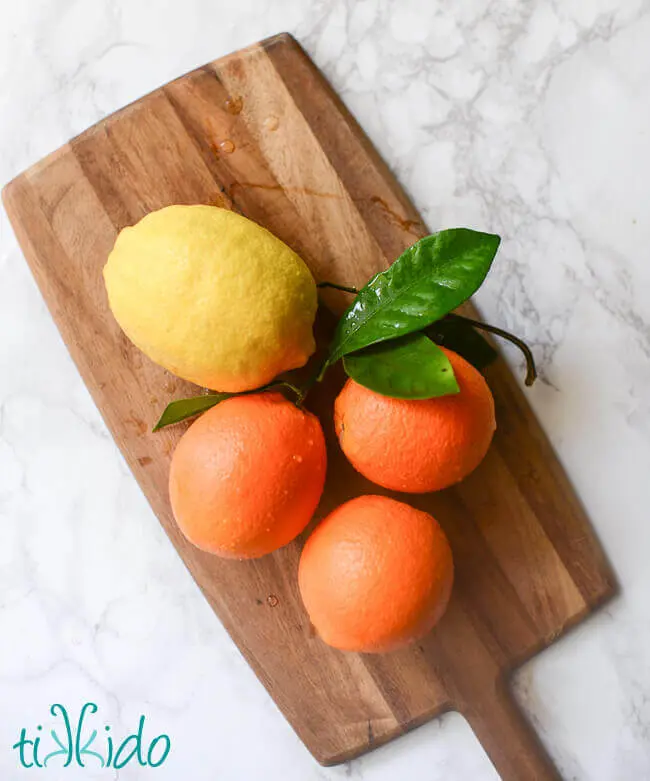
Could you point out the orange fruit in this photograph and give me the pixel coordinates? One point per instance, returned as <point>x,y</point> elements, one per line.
<point>246,477</point>
<point>375,575</point>
<point>417,445</point>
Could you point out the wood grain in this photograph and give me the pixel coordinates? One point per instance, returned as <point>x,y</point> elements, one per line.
<point>528,565</point>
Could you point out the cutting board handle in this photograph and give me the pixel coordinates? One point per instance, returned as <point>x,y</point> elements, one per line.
<point>507,737</point>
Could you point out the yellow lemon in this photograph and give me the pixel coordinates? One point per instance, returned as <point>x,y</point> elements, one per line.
<point>212,296</point>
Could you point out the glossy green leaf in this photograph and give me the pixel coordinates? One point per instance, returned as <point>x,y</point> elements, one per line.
<point>182,409</point>
<point>411,367</point>
<point>431,278</point>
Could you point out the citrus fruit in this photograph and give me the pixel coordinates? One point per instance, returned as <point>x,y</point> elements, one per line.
<point>417,445</point>
<point>375,575</point>
<point>246,477</point>
<point>212,297</point>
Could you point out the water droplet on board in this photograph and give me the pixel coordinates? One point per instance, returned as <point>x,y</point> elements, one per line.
<point>272,600</point>
<point>225,147</point>
<point>271,123</point>
<point>298,459</point>
<point>234,104</point>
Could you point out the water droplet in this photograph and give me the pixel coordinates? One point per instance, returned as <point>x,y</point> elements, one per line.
<point>298,459</point>
<point>234,104</point>
<point>225,147</point>
<point>271,123</point>
<point>272,600</point>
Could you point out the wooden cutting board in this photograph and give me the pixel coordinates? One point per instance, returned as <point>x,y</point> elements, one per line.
<point>261,132</point>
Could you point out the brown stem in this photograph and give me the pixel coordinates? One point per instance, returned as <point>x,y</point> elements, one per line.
<point>531,371</point>
<point>344,288</point>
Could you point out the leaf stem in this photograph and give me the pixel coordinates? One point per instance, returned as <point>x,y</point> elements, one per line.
<point>344,288</point>
<point>531,371</point>
<point>300,393</point>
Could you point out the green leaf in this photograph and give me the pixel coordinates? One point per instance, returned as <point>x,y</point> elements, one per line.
<point>181,409</point>
<point>431,278</point>
<point>462,338</point>
<point>411,367</point>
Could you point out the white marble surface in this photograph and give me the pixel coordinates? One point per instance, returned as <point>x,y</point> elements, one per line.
<point>530,119</point>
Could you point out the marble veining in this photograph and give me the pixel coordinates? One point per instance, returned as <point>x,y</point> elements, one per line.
<point>527,119</point>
